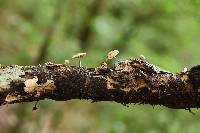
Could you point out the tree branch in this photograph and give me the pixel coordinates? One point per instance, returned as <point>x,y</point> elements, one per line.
<point>130,81</point>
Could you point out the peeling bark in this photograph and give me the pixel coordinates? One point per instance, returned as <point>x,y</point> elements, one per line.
<point>130,81</point>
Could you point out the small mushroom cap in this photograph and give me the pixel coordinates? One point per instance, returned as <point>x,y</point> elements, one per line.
<point>112,54</point>
<point>185,69</point>
<point>66,62</point>
<point>79,55</point>
<point>142,57</point>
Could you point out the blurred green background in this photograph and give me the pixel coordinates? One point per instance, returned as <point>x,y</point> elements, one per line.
<point>167,32</point>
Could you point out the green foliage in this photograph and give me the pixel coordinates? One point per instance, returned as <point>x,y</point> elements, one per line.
<point>166,32</point>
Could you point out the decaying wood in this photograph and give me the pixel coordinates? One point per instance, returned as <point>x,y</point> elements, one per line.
<point>130,81</point>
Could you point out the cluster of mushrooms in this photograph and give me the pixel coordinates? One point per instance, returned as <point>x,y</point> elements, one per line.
<point>110,56</point>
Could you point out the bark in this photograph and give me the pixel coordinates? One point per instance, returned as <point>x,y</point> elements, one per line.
<point>130,81</point>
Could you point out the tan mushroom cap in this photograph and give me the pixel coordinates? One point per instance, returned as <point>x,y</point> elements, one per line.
<point>79,55</point>
<point>112,54</point>
<point>142,57</point>
<point>66,61</point>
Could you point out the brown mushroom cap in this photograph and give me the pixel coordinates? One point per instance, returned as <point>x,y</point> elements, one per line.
<point>112,54</point>
<point>79,55</point>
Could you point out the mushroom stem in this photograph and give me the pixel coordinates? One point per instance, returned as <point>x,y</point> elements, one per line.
<point>79,62</point>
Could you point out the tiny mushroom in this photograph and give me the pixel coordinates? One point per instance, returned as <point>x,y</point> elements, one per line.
<point>103,68</point>
<point>112,54</point>
<point>103,65</point>
<point>79,56</point>
<point>185,69</point>
<point>66,62</point>
<point>142,57</point>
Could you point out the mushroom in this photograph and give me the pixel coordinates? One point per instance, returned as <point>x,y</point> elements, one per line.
<point>112,54</point>
<point>142,57</point>
<point>103,65</point>
<point>185,69</point>
<point>66,62</point>
<point>79,56</point>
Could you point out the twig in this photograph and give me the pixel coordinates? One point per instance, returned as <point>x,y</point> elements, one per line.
<point>130,81</point>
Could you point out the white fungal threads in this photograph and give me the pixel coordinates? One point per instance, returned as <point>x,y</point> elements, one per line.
<point>79,56</point>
